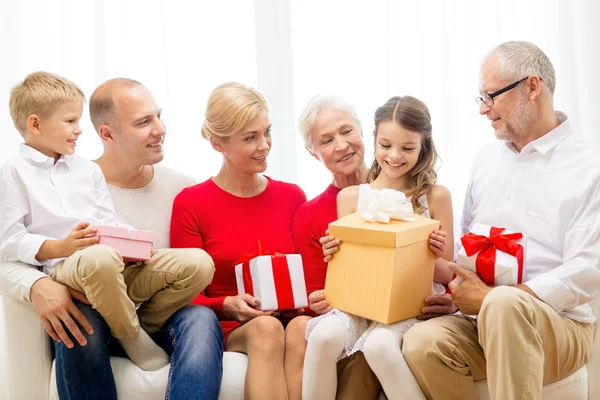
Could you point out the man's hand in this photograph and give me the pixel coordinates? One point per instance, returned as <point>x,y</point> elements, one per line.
<point>437,306</point>
<point>468,290</point>
<point>330,246</point>
<point>317,302</point>
<point>240,308</point>
<point>54,306</point>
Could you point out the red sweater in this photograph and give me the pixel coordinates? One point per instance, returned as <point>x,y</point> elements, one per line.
<point>226,226</point>
<point>310,223</point>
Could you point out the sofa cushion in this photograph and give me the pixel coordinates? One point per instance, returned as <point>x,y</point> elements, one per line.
<point>134,383</point>
<point>575,387</point>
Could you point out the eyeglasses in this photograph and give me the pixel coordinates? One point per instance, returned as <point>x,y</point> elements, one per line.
<point>488,98</point>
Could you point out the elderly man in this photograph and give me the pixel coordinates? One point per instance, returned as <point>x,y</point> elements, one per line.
<point>542,179</point>
<point>127,120</point>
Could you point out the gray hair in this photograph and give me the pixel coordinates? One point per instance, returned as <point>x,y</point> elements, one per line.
<point>521,59</point>
<point>317,104</point>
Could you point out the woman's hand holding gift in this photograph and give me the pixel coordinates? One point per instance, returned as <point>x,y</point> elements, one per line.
<point>437,242</point>
<point>437,305</point>
<point>241,308</point>
<point>318,303</point>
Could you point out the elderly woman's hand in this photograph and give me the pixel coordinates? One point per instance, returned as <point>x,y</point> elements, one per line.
<point>240,308</point>
<point>317,302</point>
<point>437,305</point>
<point>330,246</point>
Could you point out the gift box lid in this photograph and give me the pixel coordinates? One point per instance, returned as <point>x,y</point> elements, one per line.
<point>125,233</point>
<point>353,228</point>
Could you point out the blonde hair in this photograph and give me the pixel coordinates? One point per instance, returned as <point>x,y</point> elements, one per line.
<point>230,107</point>
<point>308,118</point>
<point>412,114</point>
<point>40,93</point>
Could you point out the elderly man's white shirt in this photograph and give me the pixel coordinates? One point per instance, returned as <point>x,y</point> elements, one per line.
<point>41,201</point>
<point>549,191</point>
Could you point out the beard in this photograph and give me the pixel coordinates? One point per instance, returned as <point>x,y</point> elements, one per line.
<point>517,123</point>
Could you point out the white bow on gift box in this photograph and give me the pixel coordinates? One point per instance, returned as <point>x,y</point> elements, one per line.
<point>498,256</point>
<point>383,205</point>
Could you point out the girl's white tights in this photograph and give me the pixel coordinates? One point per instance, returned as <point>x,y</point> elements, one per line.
<point>383,352</point>
<point>326,344</point>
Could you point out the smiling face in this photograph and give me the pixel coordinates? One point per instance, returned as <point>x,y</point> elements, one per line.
<point>337,142</point>
<point>57,133</point>
<point>511,114</point>
<point>248,149</point>
<point>396,149</point>
<point>139,133</point>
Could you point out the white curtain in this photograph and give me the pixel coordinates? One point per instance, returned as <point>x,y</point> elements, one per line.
<point>365,51</point>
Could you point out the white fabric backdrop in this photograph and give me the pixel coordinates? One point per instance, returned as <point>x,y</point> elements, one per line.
<point>365,51</point>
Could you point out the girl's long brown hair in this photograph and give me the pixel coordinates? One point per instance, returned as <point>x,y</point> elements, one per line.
<point>412,114</point>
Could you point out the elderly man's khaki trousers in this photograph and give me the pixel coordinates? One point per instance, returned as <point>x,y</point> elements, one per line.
<point>518,343</point>
<point>166,283</point>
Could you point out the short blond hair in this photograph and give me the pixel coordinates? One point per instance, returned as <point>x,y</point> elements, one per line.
<point>102,104</point>
<point>40,93</point>
<point>230,107</point>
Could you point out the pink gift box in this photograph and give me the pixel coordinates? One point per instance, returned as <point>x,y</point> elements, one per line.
<point>132,244</point>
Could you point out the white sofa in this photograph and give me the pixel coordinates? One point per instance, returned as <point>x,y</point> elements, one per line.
<point>27,368</point>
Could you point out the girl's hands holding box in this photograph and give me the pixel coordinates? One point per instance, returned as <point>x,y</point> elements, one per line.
<point>330,246</point>
<point>437,242</point>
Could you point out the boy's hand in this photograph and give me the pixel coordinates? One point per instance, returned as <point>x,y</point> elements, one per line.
<point>78,240</point>
<point>54,306</point>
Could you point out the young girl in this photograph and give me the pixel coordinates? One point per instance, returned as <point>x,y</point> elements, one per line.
<point>405,158</point>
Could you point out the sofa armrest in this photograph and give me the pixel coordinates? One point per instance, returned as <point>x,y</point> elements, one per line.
<point>25,352</point>
<point>593,365</point>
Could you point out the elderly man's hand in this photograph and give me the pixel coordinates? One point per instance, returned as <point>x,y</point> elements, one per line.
<point>437,305</point>
<point>468,290</point>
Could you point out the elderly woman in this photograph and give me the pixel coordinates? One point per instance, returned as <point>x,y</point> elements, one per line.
<point>226,216</point>
<point>332,134</point>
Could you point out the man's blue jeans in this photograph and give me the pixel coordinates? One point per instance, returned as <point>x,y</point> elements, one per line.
<point>192,337</point>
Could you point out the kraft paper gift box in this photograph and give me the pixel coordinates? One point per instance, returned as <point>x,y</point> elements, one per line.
<point>132,244</point>
<point>497,255</point>
<point>276,280</point>
<point>383,271</point>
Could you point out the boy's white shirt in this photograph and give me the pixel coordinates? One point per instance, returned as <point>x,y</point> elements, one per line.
<point>43,200</point>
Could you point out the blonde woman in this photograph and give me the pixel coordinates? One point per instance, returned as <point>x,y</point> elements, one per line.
<point>226,216</point>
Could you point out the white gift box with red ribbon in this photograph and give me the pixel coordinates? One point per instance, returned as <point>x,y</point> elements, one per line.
<point>276,280</point>
<point>498,256</point>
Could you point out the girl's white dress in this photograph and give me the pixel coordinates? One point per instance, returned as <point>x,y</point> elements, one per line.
<point>358,328</point>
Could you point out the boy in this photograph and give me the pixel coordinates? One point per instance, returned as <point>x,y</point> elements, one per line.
<point>52,199</point>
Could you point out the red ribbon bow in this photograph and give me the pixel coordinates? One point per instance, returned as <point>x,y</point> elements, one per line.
<point>281,276</point>
<point>486,246</point>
